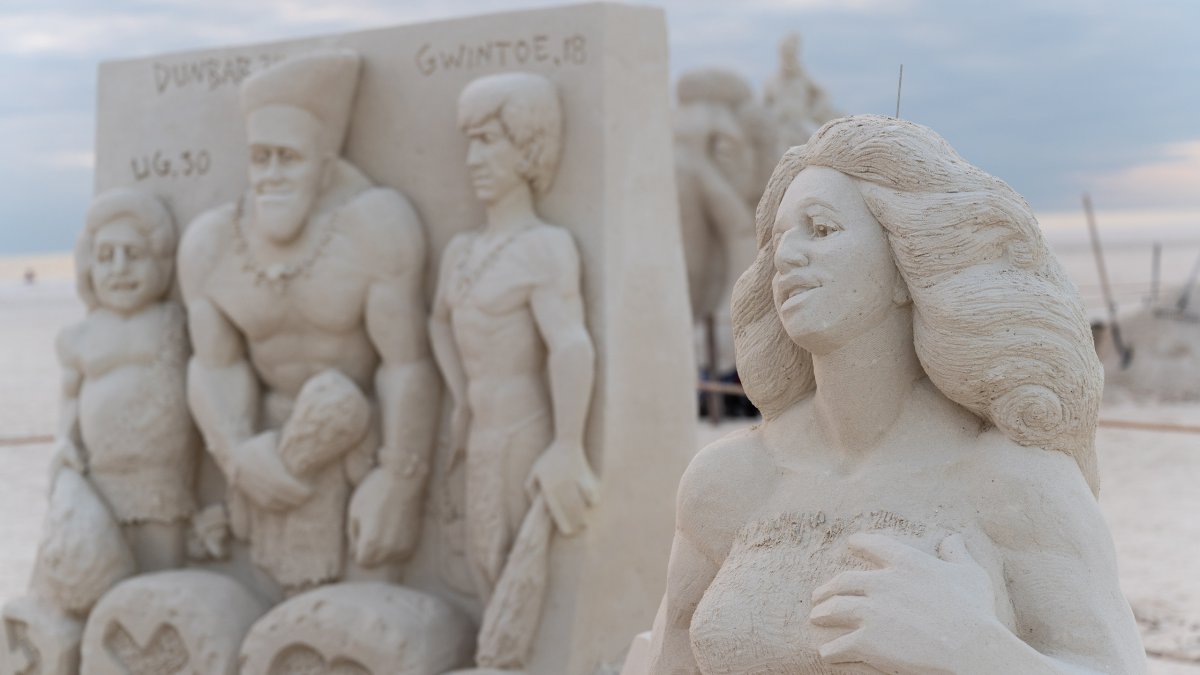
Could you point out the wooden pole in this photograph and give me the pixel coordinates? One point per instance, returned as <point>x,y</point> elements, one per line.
<point>1123,351</point>
<point>899,85</point>
<point>715,399</point>
<point>1186,296</point>
<point>1155,271</point>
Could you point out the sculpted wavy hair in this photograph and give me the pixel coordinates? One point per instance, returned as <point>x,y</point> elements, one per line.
<point>998,326</point>
<point>528,109</point>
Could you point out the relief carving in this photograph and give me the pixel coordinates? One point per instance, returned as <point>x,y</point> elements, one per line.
<point>509,335</point>
<point>311,379</point>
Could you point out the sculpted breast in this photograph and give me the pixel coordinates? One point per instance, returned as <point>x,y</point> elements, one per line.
<point>753,618</point>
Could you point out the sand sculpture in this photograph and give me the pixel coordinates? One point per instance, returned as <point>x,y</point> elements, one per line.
<point>798,104</point>
<point>509,334</point>
<point>726,144</point>
<point>921,494</point>
<point>311,376</point>
<point>347,516</point>
<point>725,148</point>
<point>122,489</point>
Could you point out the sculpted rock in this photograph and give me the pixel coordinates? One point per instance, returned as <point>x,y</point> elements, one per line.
<point>82,553</point>
<point>185,621</point>
<point>920,496</point>
<point>509,335</point>
<point>358,629</point>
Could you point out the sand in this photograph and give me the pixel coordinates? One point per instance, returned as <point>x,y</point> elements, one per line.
<point>1150,480</point>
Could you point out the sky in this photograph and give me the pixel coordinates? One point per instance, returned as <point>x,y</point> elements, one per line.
<point>1054,96</point>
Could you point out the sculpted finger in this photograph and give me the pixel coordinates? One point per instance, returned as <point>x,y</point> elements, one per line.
<point>880,550</point>
<point>850,582</point>
<point>561,519</point>
<point>954,549</point>
<point>590,487</point>
<point>293,491</point>
<point>840,611</point>
<point>352,535</point>
<point>845,649</point>
<point>574,506</point>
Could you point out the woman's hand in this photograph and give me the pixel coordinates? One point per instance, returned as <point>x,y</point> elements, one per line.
<point>916,613</point>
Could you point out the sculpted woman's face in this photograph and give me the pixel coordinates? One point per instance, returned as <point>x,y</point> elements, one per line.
<point>834,274</point>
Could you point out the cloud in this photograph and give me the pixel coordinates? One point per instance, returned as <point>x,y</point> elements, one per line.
<point>1172,180</point>
<point>70,159</point>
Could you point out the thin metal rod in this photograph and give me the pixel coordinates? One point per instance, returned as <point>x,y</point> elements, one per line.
<point>1125,353</point>
<point>899,85</point>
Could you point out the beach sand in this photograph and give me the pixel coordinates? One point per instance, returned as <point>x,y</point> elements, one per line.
<point>1150,480</point>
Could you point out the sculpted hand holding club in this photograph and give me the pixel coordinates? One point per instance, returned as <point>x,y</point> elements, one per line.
<point>509,335</point>
<point>920,495</point>
<point>311,374</point>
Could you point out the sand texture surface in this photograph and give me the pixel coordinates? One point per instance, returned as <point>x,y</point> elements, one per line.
<point>1150,490</point>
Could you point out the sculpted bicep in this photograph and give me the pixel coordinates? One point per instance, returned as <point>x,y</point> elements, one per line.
<point>556,300</point>
<point>216,342</point>
<point>395,316</point>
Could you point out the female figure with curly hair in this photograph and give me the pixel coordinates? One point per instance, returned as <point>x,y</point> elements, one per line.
<point>920,497</point>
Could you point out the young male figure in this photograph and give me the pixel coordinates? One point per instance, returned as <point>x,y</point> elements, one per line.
<point>311,375</point>
<point>508,333</point>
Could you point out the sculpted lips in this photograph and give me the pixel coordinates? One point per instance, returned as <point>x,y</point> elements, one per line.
<point>793,287</point>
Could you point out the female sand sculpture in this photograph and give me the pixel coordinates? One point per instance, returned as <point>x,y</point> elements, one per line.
<point>920,495</point>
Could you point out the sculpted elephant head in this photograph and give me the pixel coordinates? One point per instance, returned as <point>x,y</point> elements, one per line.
<point>725,149</point>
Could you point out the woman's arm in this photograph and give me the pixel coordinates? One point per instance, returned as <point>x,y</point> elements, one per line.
<point>708,512</point>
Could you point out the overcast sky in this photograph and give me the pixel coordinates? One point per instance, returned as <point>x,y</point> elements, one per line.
<point>1053,96</point>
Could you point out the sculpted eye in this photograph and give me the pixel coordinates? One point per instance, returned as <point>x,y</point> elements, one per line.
<point>260,155</point>
<point>287,155</point>
<point>822,228</point>
<point>104,254</point>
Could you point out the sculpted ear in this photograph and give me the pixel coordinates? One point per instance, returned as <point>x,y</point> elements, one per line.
<point>529,159</point>
<point>328,161</point>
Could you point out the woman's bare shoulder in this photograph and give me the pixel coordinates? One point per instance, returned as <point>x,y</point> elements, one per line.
<point>723,482</point>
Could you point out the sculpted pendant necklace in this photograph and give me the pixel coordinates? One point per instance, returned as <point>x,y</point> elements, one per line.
<point>278,275</point>
<point>468,278</point>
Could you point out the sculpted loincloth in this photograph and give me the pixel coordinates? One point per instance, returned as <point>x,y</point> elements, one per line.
<point>498,461</point>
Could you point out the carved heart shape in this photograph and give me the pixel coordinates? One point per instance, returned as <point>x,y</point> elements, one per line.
<point>304,660</point>
<point>163,654</point>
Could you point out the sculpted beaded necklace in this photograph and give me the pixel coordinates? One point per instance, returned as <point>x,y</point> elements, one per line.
<point>278,275</point>
<point>468,278</point>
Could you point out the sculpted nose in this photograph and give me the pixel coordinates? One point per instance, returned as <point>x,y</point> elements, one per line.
<point>273,169</point>
<point>120,261</point>
<point>474,154</point>
<point>792,250</point>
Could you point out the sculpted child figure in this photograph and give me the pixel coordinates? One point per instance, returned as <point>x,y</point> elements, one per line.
<point>920,497</point>
<point>509,336</point>
<point>311,375</point>
<point>122,484</point>
<point>124,421</point>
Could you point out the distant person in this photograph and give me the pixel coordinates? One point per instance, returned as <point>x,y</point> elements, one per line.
<point>30,276</point>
